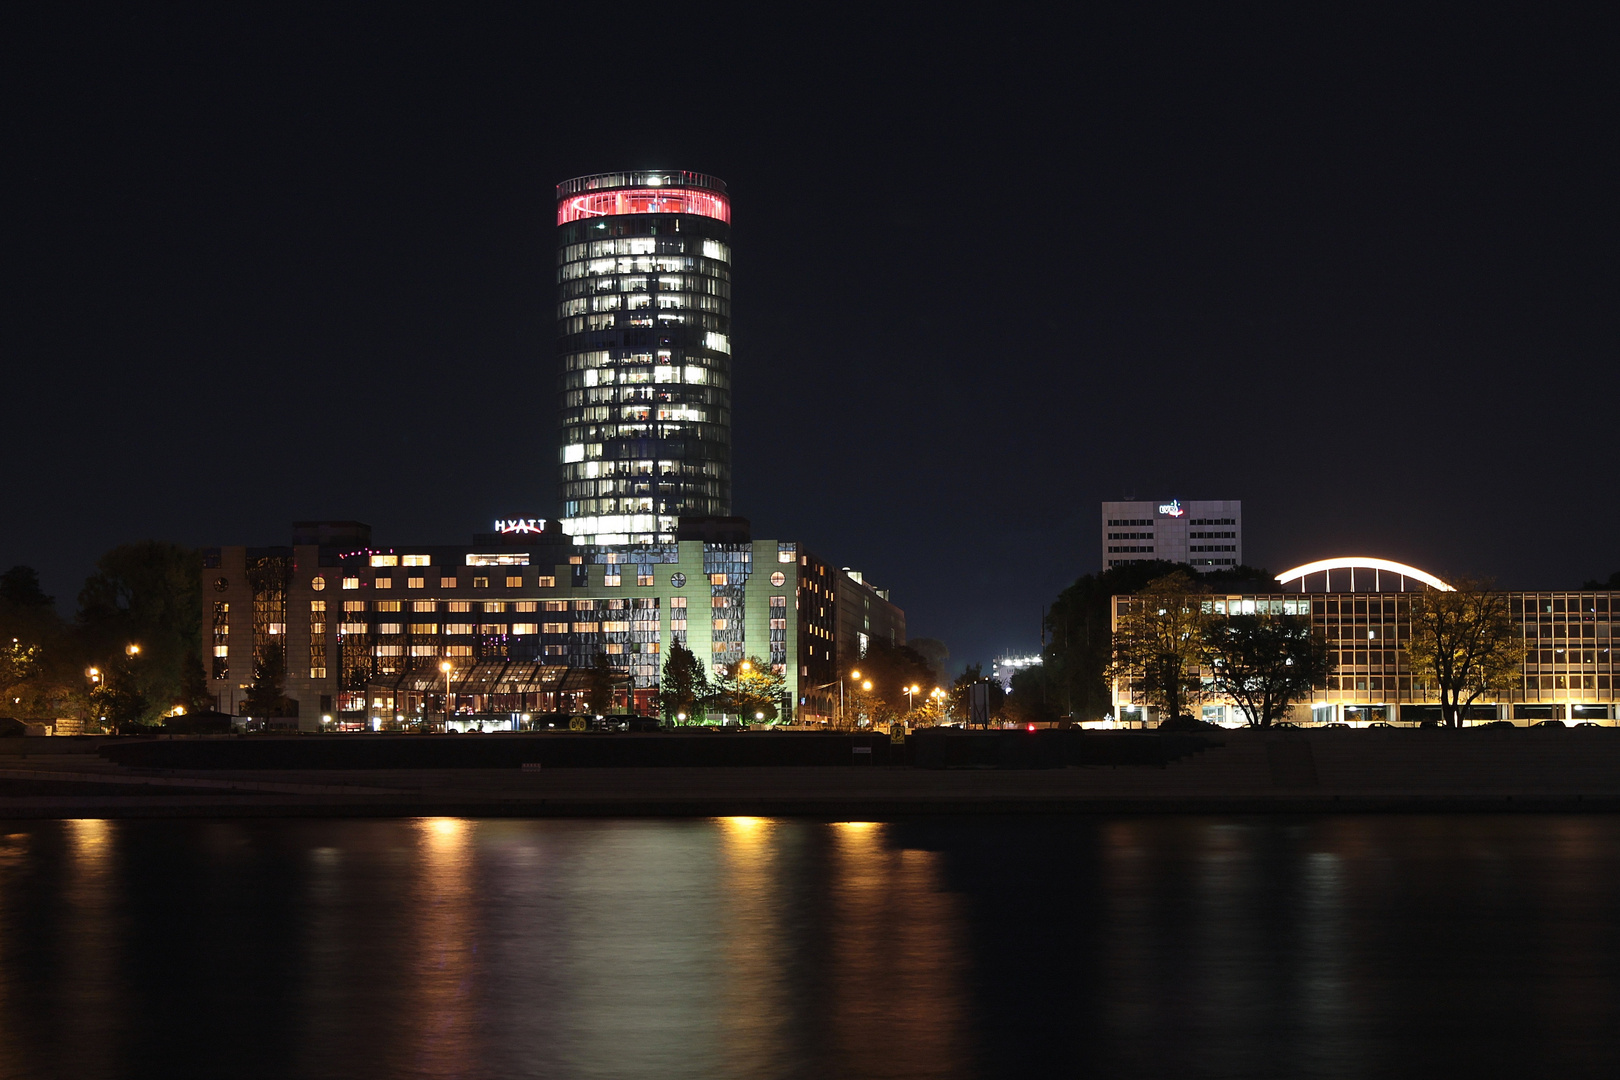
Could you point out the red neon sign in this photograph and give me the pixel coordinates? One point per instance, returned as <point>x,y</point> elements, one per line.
<point>644,201</point>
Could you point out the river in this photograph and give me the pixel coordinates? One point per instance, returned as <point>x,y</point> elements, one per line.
<point>1345,946</point>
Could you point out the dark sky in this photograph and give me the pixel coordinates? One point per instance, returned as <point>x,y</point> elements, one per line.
<point>1356,270</point>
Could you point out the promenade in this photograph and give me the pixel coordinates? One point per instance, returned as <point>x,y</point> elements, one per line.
<point>1239,772</point>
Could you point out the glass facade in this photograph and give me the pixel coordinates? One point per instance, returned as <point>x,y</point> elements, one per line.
<point>644,344</point>
<point>1568,673</point>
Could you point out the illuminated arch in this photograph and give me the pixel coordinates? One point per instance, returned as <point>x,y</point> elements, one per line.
<point>1353,563</point>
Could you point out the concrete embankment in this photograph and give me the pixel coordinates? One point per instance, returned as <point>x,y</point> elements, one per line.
<point>833,776</point>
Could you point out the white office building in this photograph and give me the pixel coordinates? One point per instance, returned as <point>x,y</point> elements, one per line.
<point>1206,534</point>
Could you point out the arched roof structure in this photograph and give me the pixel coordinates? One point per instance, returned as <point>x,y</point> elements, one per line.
<point>1353,563</point>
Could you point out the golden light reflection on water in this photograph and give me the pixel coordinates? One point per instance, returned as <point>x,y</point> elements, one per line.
<point>88,974</point>
<point>443,973</point>
<point>755,996</point>
<point>897,997</point>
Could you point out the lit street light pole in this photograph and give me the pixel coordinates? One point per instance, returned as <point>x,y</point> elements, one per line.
<point>446,668</point>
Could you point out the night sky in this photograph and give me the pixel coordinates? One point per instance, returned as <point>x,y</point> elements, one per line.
<point>1356,270</point>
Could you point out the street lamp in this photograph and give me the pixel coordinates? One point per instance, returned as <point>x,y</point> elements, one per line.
<point>910,690</point>
<point>446,668</point>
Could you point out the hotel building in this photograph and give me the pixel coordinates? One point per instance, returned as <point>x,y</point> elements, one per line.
<point>521,615</point>
<point>1363,608</point>
<point>1205,534</point>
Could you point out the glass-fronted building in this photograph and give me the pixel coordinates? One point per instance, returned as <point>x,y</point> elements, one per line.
<point>644,345</point>
<point>364,631</point>
<point>1363,607</point>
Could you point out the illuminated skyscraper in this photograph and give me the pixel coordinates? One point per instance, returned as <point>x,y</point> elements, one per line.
<point>644,340</point>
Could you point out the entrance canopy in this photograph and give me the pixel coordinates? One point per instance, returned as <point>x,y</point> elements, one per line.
<point>1355,573</point>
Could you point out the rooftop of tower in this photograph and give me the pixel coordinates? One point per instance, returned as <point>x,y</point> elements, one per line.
<point>641,178</point>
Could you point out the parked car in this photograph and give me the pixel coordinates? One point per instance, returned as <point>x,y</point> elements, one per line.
<point>1499,724</point>
<point>1380,723</point>
<point>1336,727</point>
<point>1286,724</point>
<point>1545,723</point>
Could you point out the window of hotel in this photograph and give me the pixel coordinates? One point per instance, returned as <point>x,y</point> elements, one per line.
<point>388,605</point>
<point>779,601</point>
<point>415,583</point>
<point>719,624</point>
<point>480,582</point>
<point>514,582</point>
<point>717,579</point>
<point>555,605</point>
<point>554,628</point>
<point>494,605</point>
<point>678,580</point>
<point>610,581</point>
<point>525,628</point>
<point>385,560</point>
<point>545,581</point>
<point>458,628</point>
<point>585,628</point>
<point>447,583</point>
<point>458,605</point>
<point>423,605</point>
<point>385,583</point>
<point>500,559</point>
<point>390,628</point>
<point>415,560</point>
<point>458,650</point>
<point>424,628</point>
<point>351,583</point>
<point>492,628</point>
<point>778,579</point>
<point>354,605</point>
<point>317,583</point>
<point>644,580</point>
<point>525,605</point>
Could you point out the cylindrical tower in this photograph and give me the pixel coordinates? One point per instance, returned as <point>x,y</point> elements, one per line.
<point>644,338</point>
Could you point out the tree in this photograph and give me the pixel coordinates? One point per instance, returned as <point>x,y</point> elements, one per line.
<point>148,594</point>
<point>19,663</point>
<point>685,685</point>
<point>750,689</point>
<point>1265,662</point>
<point>1159,644</point>
<point>266,694</point>
<point>1465,643</point>
<point>119,702</point>
<point>1079,631</point>
<point>1030,701</point>
<point>1597,586</point>
<point>599,686</point>
<point>38,669</point>
<point>962,688</point>
<point>890,669</point>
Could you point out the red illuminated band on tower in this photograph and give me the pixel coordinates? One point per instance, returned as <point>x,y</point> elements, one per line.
<point>650,200</point>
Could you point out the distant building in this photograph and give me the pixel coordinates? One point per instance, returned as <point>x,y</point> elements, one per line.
<point>521,614</point>
<point>1009,666</point>
<point>1204,534</point>
<point>1363,607</point>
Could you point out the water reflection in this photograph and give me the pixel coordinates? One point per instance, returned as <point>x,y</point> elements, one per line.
<point>896,997</point>
<point>443,1003</point>
<point>755,995</point>
<point>747,947</point>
